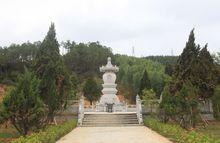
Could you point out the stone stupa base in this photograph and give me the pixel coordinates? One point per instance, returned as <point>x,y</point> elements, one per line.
<point>109,99</point>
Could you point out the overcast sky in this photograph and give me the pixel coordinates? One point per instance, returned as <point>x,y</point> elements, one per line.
<point>153,27</point>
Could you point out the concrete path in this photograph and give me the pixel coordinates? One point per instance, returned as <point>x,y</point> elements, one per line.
<point>134,134</point>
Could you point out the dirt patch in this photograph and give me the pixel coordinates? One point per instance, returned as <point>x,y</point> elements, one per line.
<point>3,89</point>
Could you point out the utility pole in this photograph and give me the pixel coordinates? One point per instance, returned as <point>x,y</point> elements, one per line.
<point>172,52</point>
<point>133,51</point>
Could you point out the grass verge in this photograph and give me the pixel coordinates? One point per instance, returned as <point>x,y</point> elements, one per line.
<point>178,134</point>
<point>50,134</point>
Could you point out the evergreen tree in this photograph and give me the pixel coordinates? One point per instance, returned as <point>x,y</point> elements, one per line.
<point>56,84</point>
<point>145,83</point>
<point>91,90</point>
<point>149,98</point>
<point>196,66</point>
<point>23,106</point>
<point>187,58</point>
<point>193,80</point>
<point>129,82</point>
<point>206,73</point>
<point>169,69</point>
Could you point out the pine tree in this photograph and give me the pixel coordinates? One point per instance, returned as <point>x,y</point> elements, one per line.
<point>23,106</point>
<point>91,90</point>
<point>145,83</point>
<point>56,84</point>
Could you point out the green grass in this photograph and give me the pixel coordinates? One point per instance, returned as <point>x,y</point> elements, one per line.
<point>213,129</point>
<point>179,135</point>
<point>50,134</point>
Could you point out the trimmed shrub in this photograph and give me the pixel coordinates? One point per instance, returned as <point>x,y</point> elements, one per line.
<point>177,134</point>
<point>50,134</point>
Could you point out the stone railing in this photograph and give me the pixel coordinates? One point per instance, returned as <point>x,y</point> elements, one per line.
<point>81,111</point>
<point>139,109</point>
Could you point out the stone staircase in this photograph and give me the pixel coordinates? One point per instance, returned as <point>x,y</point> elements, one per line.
<point>110,119</point>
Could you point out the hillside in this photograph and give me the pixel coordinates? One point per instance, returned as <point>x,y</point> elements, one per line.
<point>83,61</point>
<point>131,71</point>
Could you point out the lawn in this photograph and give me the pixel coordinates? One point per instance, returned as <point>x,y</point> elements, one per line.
<point>7,134</point>
<point>213,129</point>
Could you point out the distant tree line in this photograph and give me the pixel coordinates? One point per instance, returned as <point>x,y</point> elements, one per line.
<point>14,58</point>
<point>164,60</point>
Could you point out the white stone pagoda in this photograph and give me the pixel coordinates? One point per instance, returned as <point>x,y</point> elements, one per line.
<point>109,87</point>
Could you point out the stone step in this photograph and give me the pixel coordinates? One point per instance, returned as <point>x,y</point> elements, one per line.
<point>110,115</point>
<point>102,124</point>
<point>91,117</point>
<point>101,121</point>
<point>119,120</point>
<point>112,125</point>
<point>111,119</point>
<point>109,124</point>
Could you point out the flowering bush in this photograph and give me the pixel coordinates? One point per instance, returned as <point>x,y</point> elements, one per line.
<point>177,134</point>
<point>49,135</point>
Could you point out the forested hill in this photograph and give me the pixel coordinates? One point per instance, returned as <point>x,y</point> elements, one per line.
<point>131,72</point>
<point>82,61</point>
<point>165,60</point>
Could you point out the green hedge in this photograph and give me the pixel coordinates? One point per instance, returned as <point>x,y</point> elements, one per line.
<point>178,134</point>
<point>49,135</point>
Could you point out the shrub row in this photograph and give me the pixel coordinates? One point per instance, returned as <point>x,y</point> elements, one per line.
<point>177,134</point>
<point>50,134</point>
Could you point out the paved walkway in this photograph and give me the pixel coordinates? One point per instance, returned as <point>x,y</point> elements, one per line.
<point>135,134</point>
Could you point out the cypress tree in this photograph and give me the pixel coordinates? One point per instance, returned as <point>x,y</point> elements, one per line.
<point>188,56</point>
<point>55,81</point>
<point>207,73</point>
<point>196,70</point>
<point>145,83</point>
